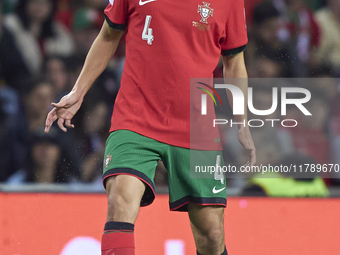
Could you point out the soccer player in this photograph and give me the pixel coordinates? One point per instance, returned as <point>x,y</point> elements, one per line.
<point>167,43</point>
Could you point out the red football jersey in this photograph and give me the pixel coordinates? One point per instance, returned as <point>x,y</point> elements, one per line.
<point>167,43</point>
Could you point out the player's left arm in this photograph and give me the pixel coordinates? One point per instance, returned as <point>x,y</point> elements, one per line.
<point>234,67</point>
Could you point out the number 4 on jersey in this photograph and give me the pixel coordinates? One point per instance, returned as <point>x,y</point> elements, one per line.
<point>147,31</point>
<point>218,175</point>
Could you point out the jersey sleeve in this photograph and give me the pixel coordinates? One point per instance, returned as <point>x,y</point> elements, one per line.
<point>236,30</point>
<point>116,14</point>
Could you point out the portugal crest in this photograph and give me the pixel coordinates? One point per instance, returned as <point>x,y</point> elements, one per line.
<point>108,160</point>
<point>206,11</point>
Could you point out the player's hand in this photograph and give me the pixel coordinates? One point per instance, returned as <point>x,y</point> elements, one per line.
<point>64,111</point>
<point>246,140</point>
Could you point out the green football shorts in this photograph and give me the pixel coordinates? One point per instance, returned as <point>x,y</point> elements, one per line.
<point>133,154</point>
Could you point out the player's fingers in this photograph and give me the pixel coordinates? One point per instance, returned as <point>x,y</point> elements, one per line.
<point>246,164</point>
<point>61,124</point>
<point>59,104</point>
<point>47,128</point>
<point>252,158</point>
<point>51,117</point>
<point>69,124</point>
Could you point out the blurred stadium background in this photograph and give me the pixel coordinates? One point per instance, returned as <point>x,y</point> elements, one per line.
<point>51,195</point>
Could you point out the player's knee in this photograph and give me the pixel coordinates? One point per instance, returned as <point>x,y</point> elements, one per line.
<point>212,238</point>
<point>215,235</point>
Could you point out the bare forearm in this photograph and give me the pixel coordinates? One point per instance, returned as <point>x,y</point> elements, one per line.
<point>97,58</point>
<point>235,69</point>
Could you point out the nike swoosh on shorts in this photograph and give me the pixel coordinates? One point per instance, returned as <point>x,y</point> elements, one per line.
<point>215,191</point>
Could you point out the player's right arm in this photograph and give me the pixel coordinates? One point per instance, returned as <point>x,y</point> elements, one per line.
<point>102,49</point>
<point>234,67</point>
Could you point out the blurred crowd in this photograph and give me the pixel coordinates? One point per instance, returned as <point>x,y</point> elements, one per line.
<point>42,50</point>
<point>43,45</point>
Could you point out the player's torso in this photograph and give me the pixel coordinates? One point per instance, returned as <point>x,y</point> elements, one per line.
<point>180,16</point>
<point>167,43</point>
<point>188,31</point>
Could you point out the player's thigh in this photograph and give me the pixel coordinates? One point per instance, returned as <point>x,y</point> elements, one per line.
<point>130,161</point>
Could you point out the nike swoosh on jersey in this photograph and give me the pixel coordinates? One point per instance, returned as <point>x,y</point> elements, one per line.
<point>145,2</point>
<point>215,191</point>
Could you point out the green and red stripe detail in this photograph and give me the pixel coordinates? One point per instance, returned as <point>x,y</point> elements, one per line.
<point>209,93</point>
